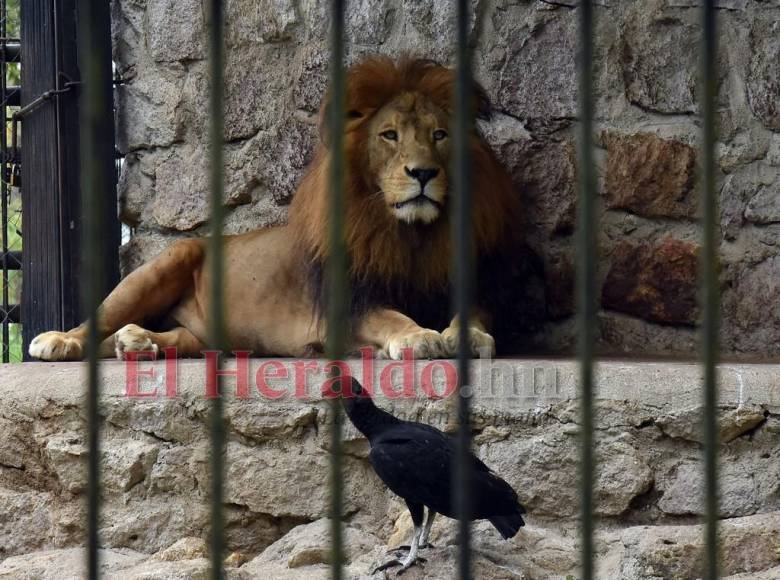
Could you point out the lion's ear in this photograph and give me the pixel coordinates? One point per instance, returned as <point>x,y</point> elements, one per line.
<point>352,120</point>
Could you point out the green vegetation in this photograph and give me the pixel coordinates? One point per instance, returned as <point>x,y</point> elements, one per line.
<point>14,277</point>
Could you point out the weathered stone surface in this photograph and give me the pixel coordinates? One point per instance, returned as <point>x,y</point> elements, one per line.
<point>559,278</point>
<point>255,93</point>
<point>182,202</point>
<point>67,455</point>
<point>135,188</point>
<point>750,545</point>
<point>654,282</point>
<point>650,176</point>
<point>764,81</point>
<point>156,474</point>
<point>764,207</point>
<point>176,29</point>
<point>150,101</point>
<point>369,21</point>
<point>550,462</point>
<point>68,563</point>
<point>732,423</point>
<point>526,90</point>
<point>260,21</point>
<point>547,173</point>
<point>658,56</point>
<point>309,544</point>
<point>753,304</point>
<point>184,549</point>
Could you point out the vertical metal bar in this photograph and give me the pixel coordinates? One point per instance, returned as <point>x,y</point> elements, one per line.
<point>337,265</point>
<point>586,282</point>
<point>709,283</point>
<point>97,186</point>
<point>463,273</point>
<point>6,346</point>
<point>215,257</point>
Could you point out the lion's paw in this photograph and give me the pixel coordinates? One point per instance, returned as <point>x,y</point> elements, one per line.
<point>482,344</point>
<point>55,346</point>
<point>424,344</point>
<point>133,338</point>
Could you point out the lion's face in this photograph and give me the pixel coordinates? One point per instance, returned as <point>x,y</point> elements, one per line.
<point>408,148</point>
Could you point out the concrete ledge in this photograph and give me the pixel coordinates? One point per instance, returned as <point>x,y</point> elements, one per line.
<point>516,384</point>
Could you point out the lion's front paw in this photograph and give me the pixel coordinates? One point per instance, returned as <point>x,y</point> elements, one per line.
<point>55,346</point>
<point>482,344</point>
<point>133,338</point>
<point>424,344</point>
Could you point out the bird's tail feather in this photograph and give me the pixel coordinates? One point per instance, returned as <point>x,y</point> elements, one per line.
<point>508,525</point>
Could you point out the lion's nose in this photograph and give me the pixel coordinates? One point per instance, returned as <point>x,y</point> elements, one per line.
<point>422,175</point>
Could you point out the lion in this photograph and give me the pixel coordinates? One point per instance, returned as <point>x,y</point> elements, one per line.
<point>397,231</point>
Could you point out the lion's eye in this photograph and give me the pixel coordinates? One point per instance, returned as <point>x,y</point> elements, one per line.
<point>390,135</point>
<point>439,134</point>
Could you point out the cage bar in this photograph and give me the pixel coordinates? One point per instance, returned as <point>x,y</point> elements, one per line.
<point>97,186</point>
<point>709,284</point>
<point>217,336</point>
<point>337,280</point>
<point>4,190</point>
<point>463,269</point>
<point>586,283</point>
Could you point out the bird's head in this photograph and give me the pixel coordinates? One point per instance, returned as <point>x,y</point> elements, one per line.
<point>353,396</point>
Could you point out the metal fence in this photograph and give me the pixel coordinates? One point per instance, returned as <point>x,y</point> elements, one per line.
<point>96,174</point>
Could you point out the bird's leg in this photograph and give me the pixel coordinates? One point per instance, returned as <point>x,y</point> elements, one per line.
<point>423,538</point>
<point>427,530</point>
<point>410,559</point>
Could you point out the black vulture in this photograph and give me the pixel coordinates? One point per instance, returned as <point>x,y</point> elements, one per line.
<point>416,462</point>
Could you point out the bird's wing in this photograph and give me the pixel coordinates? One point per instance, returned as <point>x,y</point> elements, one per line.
<point>415,463</point>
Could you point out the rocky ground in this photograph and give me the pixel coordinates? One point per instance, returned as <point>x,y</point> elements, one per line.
<point>154,463</point>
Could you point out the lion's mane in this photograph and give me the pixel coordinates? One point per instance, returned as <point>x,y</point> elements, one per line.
<point>390,259</point>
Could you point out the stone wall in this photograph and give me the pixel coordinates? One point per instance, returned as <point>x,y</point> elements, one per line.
<point>154,466</point>
<point>646,67</point>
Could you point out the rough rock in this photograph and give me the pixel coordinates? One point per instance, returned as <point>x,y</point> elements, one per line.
<point>764,81</point>
<point>155,467</point>
<point>526,90</point>
<point>752,304</point>
<point>309,544</point>
<point>176,30</point>
<point>657,283</point>
<point>659,61</point>
<point>265,21</point>
<point>749,545</point>
<point>549,462</point>
<point>650,176</point>
<point>67,563</point>
<point>150,100</point>
<point>732,423</point>
<point>764,207</point>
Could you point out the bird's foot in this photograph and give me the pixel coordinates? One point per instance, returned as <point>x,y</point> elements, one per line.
<point>406,548</point>
<point>405,564</point>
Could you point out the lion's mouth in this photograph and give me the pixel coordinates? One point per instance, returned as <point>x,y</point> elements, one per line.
<point>416,200</point>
